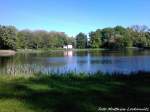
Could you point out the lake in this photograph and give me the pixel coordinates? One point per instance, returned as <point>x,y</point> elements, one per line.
<point>125,61</point>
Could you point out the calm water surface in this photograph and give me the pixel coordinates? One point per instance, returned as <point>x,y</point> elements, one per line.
<point>79,61</point>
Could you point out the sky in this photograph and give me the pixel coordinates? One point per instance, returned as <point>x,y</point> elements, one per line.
<point>73,16</point>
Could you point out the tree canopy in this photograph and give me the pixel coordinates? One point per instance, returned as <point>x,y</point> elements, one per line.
<point>8,37</point>
<point>81,41</point>
<point>117,37</point>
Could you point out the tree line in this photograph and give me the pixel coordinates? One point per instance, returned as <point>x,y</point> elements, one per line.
<point>113,38</point>
<point>12,38</point>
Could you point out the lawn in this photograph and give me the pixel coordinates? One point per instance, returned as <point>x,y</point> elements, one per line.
<point>73,93</point>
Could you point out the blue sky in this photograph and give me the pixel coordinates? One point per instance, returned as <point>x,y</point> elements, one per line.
<point>73,16</point>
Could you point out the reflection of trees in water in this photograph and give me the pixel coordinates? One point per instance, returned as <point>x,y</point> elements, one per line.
<point>123,52</point>
<point>81,53</point>
<point>26,58</point>
<point>4,61</point>
<point>28,64</point>
<point>9,65</point>
<point>56,61</point>
<point>105,53</point>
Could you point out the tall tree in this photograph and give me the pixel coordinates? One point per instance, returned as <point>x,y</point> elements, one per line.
<point>108,35</point>
<point>81,41</point>
<point>8,37</point>
<point>139,35</point>
<point>122,37</point>
<point>24,39</point>
<point>95,39</point>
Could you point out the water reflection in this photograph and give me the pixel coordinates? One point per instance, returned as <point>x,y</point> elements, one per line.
<point>78,61</point>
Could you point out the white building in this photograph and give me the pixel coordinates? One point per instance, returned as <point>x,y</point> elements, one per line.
<point>68,47</point>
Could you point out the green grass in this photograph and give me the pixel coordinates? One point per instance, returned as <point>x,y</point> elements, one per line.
<point>73,92</point>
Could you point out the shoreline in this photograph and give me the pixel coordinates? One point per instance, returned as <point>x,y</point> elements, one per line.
<point>7,52</point>
<point>13,52</point>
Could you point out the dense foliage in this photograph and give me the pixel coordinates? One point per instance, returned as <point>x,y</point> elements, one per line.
<point>42,39</point>
<point>81,41</point>
<point>11,38</point>
<point>95,39</point>
<point>117,37</point>
<point>8,37</point>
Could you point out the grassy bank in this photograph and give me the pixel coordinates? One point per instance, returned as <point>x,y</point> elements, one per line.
<point>73,93</point>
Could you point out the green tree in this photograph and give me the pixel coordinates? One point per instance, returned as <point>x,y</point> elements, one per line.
<point>95,39</point>
<point>40,39</point>
<point>71,40</point>
<point>108,35</point>
<point>81,41</point>
<point>139,35</point>
<point>122,37</point>
<point>24,39</point>
<point>8,37</point>
<point>57,39</point>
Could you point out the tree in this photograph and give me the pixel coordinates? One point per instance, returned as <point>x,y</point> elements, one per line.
<point>57,39</point>
<point>122,37</point>
<point>8,37</point>
<point>95,39</point>
<point>25,39</point>
<point>117,37</point>
<point>71,40</point>
<point>81,41</point>
<point>140,28</point>
<point>121,41</point>
<point>108,37</point>
<point>139,35</point>
<point>120,30</point>
<point>40,39</point>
